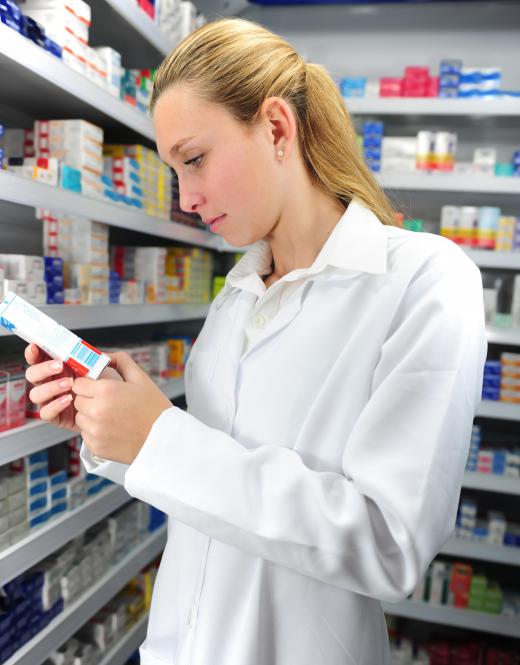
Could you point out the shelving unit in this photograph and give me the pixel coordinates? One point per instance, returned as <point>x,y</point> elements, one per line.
<point>83,317</point>
<point>436,182</point>
<point>132,639</point>
<point>78,613</point>
<point>470,549</point>
<point>41,542</point>
<point>33,78</point>
<point>499,410</point>
<point>475,108</point>
<point>37,435</point>
<point>494,259</point>
<point>22,191</point>
<point>490,482</point>
<point>451,616</point>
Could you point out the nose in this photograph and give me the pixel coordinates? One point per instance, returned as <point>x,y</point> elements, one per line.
<point>189,201</point>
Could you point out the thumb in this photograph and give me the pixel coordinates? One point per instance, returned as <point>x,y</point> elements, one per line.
<point>125,366</point>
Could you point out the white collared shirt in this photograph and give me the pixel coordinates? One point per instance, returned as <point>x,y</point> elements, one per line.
<point>318,472</point>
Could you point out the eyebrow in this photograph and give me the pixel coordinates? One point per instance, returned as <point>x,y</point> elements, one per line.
<point>179,144</point>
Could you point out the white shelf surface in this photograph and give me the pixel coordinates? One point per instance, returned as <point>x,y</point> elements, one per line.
<point>510,336</point>
<point>498,410</point>
<point>437,182</point>
<point>79,612</point>
<point>83,317</point>
<point>492,259</point>
<point>491,482</point>
<point>139,21</point>
<point>37,435</point>
<point>452,616</point>
<point>23,191</point>
<point>483,551</point>
<point>41,542</point>
<point>126,646</point>
<point>433,106</point>
<point>30,76</point>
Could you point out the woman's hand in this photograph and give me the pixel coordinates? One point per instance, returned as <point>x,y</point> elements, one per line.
<point>52,381</point>
<point>115,418</point>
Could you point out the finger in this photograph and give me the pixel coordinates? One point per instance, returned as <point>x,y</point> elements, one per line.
<point>43,370</point>
<point>47,391</point>
<point>50,412</point>
<point>86,387</point>
<point>84,405</point>
<point>84,423</point>
<point>32,354</point>
<point>125,366</point>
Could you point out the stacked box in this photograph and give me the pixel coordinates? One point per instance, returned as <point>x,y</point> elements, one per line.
<point>508,234</point>
<point>460,584</point>
<point>168,17</point>
<point>480,82</point>
<point>474,448</point>
<point>352,86</point>
<point>194,269</point>
<point>54,278</point>
<point>123,173</point>
<point>492,377</point>
<point>13,503</point>
<point>466,519</point>
<point>372,143</point>
<point>24,274</point>
<point>449,78</point>
<point>67,24</point>
<point>155,177</point>
<point>76,143</point>
<point>111,64</point>
<point>510,377</point>
<point>13,395</point>
<point>398,154</point>
<point>484,161</point>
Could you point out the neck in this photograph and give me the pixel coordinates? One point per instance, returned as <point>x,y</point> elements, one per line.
<point>302,230</point>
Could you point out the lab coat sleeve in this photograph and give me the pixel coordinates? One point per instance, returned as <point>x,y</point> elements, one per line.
<point>374,528</point>
<point>114,471</point>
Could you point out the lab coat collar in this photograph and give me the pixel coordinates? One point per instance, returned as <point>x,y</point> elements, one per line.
<point>357,243</point>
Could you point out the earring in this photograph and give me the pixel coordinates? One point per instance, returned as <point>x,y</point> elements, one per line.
<point>280,154</point>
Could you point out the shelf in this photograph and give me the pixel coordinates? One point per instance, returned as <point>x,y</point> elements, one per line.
<point>510,336</point>
<point>83,317</point>
<point>433,106</point>
<point>130,31</point>
<point>37,435</point>
<point>41,542</point>
<point>492,259</point>
<point>22,191</point>
<point>31,78</point>
<point>437,182</point>
<point>451,616</point>
<point>79,612</point>
<point>126,646</point>
<point>470,549</point>
<point>491,482</point>
<point>498,410</point>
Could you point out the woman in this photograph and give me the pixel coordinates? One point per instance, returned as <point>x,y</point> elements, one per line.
<point>330,393</point>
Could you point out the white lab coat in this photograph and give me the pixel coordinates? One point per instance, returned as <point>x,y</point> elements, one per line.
<point>320,472</point>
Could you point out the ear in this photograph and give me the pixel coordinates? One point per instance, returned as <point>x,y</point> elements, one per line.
<point>281,124</point>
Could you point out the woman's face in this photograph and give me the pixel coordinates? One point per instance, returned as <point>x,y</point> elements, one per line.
<point>224,168</point>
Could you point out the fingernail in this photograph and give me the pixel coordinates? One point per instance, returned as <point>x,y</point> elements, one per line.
<point>65,399</point>
<point>57,365</point>
<point>65,383</point>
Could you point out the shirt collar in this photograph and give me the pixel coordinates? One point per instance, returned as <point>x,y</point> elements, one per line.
<point>357,243</point>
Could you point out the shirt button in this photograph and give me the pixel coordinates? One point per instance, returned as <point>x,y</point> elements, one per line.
<point>259,320</point>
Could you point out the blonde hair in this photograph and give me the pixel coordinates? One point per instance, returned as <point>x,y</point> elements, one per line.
<point>239,64</point>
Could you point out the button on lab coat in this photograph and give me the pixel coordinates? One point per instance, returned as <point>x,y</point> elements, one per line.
<point>318,472</point>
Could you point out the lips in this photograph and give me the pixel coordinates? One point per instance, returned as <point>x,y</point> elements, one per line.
<point>212,219</point>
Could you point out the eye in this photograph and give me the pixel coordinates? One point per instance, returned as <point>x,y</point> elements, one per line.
<point>196,161</point>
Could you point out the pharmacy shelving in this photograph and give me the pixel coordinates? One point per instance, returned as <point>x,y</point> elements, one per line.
<point>452,616</point>
<point>491,482</point>
<point>37,435</point>
<point>31,78</point>
<point>23,191</point>
<point>98,594</point>
<point>437,182</point>
<point>510,336</point>
<point>470,549</point>
<point>498,410</point>
<point>126,28</point>
<point>42,541</point>
<point>493,259</point>
<point>434,107</point>
<point>125,647</point>
<point>81,317</point>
